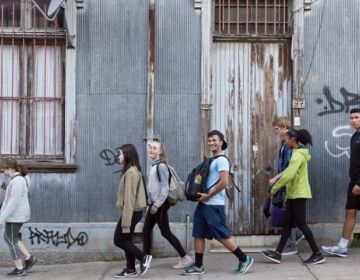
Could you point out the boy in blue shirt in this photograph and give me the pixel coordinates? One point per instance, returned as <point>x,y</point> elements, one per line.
<point>209,217</point>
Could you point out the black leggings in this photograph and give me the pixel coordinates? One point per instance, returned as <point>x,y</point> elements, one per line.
<point>125,241</point>
<point>295,215</point>
<point>162,220</point>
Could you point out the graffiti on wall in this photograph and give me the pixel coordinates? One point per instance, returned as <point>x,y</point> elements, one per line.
<point>56,238</point>
<point>337,150</point>
<point>110,157</point>
<point>342,104</point>
<point>334,104</point>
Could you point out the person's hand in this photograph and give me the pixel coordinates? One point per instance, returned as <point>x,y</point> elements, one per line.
<point>203,197</point>
<point>356,190</point>
<point>153,209</point>
<point>272,181</point>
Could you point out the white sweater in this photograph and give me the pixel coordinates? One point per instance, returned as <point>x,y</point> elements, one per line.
<point>16,207</point>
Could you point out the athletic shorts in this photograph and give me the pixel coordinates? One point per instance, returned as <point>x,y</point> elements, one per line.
<point>210,222</point>
<point>353,201</point>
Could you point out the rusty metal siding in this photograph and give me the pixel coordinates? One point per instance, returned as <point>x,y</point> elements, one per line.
<point>332,89</point>
<point>177,88</point>
<point>251,85</point>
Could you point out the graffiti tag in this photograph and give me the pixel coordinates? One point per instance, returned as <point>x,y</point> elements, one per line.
<point>340,131</point>
<point>55,238</point>
<point>109,156</point>
<point>337,106</point>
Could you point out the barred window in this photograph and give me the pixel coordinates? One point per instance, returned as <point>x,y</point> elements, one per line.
<point>32,82</point>
<point>252,17</point>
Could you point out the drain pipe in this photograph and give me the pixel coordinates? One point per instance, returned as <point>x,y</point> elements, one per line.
<point>187,228</point>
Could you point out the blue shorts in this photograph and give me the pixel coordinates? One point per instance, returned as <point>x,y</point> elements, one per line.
<point>210,222</point>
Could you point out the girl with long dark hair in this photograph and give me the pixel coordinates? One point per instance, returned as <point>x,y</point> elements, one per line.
<point>298,191</point>
<point>131,198</point>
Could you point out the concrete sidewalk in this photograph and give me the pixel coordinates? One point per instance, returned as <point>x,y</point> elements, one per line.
<point>218,266</point>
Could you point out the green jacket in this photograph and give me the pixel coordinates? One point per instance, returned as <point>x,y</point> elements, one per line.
<point>295,176</point>
<point>131,196</point>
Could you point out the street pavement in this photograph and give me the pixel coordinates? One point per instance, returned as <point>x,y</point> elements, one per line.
<point>218,266</point>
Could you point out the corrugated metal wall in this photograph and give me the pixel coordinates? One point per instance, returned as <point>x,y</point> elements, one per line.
<point>111,100</point>
<point>331,90</point>
<point>111,104</point>
<point>177,88</point>
<point>251,85</point>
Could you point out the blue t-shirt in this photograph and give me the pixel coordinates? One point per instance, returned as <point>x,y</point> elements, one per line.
<point>217,165</point>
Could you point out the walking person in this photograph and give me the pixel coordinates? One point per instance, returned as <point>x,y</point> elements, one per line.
<point>15,211</point>
<point>131,198</point>
<point>281,126</point>
<point>209,217</point>
<point>353,193</point>
<point>298,191</point>
<point>157,212</point>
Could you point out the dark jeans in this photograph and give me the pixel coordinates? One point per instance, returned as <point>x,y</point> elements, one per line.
<point>295,215</point>
<point>162,220</point>
<point>125,241</point>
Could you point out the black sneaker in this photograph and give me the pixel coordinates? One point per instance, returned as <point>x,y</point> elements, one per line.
<point>29,263</point>
<point>315,259</point>
<point>272,255</point>
<point>17,272</point>
<point>145,264</point>
<point>126,273</point>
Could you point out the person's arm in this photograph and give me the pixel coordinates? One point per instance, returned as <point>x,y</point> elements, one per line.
<point>163,188</point>
<point>273,180</point>
<point>131,181</point>
<point>288,174</point>
<point>223,182</point>
<point>15,192</point>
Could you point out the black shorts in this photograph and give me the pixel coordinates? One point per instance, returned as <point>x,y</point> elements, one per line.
<point>353,201</point>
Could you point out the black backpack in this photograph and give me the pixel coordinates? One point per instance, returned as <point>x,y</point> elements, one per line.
<point>196,181</point>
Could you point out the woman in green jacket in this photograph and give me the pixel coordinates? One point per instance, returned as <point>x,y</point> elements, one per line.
<point>131,198</point>
<point>298,191</point>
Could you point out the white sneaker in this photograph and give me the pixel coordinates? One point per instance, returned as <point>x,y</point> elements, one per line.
<point>183,263</point>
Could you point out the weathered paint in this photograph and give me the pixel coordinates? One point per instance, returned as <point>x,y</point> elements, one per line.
<point>252,85</point>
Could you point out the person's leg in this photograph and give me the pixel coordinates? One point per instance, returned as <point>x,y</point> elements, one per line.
<point>23,250</point>
<point>150,221</point>
<point>11,238</point>
<point>125,241</point>
<point>349,224</point>
<point>299,210</point>
<point>163,223</point>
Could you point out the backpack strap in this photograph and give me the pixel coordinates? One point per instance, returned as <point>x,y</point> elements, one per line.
<point>158,172</point>
<point>230,173</point>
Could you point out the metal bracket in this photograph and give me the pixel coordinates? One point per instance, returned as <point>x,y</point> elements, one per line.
<point>198,4</point>
<point>206,106</point>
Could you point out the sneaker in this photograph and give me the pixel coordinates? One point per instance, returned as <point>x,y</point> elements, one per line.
<point>126,273</point>
<point>289,251</point>
<point>336,250</point>
<point>192,269</point>
<point>272,255</point>
<point>145,264</point>
<point>183,263</point>
<point>17,272</point>
<point>299,238</point>
<point>29,263</point>
<point>315,259</point>
<point>244,266</point>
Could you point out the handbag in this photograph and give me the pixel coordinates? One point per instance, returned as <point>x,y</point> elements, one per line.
<point>278,216</point>
<point>278,199</point>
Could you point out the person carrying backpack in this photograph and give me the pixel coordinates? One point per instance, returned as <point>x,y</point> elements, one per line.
<point>209,218</point>
<point>157,212</point>
<point>15,211</point>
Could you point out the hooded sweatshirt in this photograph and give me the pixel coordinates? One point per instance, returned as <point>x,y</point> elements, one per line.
<point>16,207</point>
<point>295,176</point>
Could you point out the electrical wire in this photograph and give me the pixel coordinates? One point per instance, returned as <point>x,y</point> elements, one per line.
<point>314,49</point>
